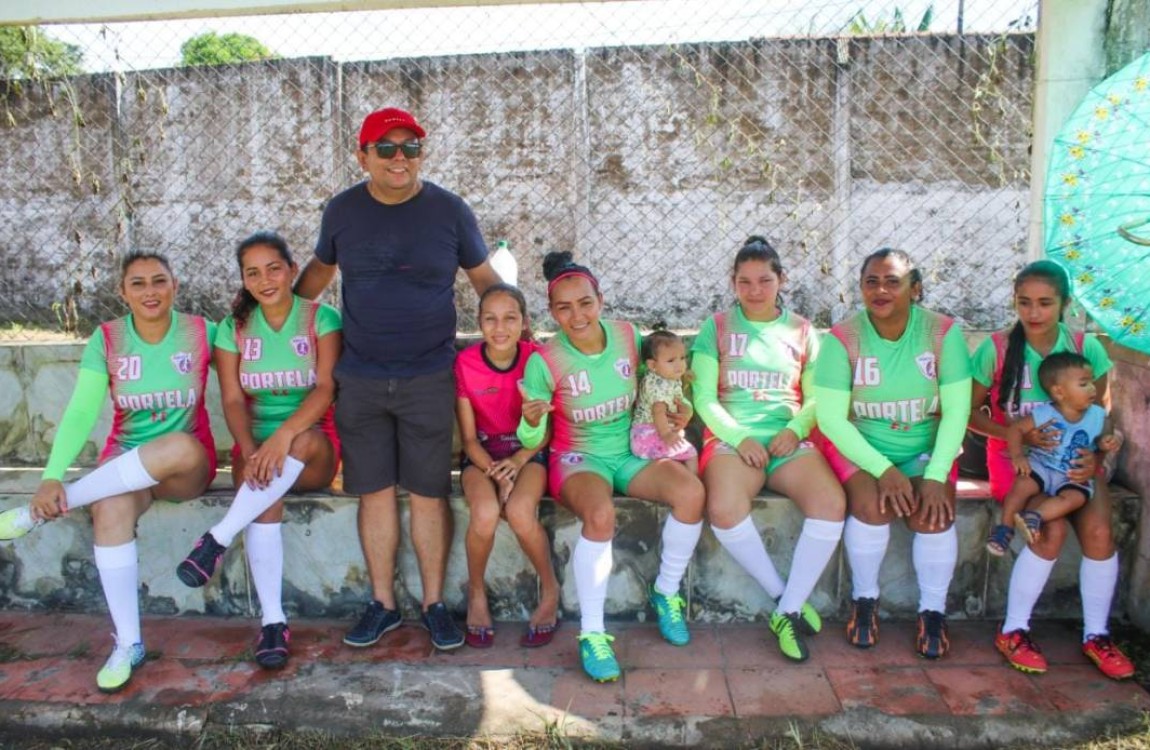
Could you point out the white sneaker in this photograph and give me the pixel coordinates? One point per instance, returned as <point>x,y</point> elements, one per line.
<point>116,672</point>
<point>16,522</point>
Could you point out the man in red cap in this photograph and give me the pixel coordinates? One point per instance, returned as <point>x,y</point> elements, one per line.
<point>398,242</point>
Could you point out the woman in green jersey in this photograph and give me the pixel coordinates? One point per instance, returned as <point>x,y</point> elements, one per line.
<point>582,384</point>
<point>274,356</point>
<point>1005,366</point>
<point>754,383</point>
<point>154,363</point>
<point>892,397</point>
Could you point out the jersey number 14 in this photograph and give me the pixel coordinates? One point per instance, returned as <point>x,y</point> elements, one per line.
<point>579,384</point>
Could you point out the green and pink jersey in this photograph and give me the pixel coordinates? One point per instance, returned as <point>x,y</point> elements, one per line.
<point>986,362</point>
<point>157,388</point>
<point>894,385</point>
<point>751,375</point>
<point>278,367</point>
<point>592,393</point>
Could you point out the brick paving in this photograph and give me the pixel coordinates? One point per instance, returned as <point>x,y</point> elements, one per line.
<point>728,685</point>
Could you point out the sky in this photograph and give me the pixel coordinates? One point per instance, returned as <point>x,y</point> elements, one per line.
<point>371,35</point>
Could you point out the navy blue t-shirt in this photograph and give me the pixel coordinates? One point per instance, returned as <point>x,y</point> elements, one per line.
<point>398,264</point>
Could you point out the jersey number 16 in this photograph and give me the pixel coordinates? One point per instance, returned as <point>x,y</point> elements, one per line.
<point>867,372</point>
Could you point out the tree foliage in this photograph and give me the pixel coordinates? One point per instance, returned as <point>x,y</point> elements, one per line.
<point>27,53</point>
<point>859,24</point>
<point>211,48</point>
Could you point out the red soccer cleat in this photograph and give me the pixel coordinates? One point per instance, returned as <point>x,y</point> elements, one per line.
<point>1109,658</point>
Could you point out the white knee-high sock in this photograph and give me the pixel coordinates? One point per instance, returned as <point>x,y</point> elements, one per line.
<point>265,548</point>
<point>1096,582</point>
<point>119,577</point>
<point>744,544</point>
<point>249,503</point>
<point>122,474</point>
<point>591,564</point>
<point>935,556</point>
<point>816,544</point>
<point>679,540</point>
<point>866,547</point>
<point>1027,579</point>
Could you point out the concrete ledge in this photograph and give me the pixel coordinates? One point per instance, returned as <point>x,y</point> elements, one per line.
<point>325,576</point>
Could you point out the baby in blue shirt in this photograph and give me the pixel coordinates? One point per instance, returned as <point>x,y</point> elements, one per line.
<point>1042,491</point>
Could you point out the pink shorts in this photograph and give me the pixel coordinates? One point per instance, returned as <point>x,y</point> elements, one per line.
<point>646,443</point>
<point>844,468</point>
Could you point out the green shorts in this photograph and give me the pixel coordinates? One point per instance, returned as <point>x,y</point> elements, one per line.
<point>617,470</point>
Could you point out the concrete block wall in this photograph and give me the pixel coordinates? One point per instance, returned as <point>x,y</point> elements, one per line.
<point>652,163</point>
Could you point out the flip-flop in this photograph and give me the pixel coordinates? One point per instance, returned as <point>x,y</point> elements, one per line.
<point>538,635</point>
<point>480,636</point>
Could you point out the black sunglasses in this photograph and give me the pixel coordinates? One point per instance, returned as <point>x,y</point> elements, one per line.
<point>387,149</point>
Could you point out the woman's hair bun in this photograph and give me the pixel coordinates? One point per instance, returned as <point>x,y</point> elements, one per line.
<point>555,261</point>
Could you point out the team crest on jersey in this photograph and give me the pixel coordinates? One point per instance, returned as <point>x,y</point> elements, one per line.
<point>301,345</point>
<point>571,459</point>
<point>927,365</point>
<point>182,361</point>
<point>623,367</point>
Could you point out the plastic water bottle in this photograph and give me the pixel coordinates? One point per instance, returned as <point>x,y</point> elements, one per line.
<point>504,263</point>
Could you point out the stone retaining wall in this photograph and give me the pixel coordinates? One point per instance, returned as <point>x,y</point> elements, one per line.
<point>324,573</point>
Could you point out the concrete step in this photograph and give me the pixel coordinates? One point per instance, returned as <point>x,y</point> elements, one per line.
<point>324,573</point>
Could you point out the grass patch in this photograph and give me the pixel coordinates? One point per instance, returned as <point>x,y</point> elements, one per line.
<point>222,739</point>
<point>550,738</point>
<point>1135,644</point>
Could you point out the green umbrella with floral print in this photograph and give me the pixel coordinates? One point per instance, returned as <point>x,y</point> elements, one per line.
<point>1097,215</point>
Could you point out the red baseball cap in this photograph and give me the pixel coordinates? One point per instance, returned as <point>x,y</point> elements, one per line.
<point>380,123</point>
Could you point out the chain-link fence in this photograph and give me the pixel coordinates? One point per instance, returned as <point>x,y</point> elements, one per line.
<point>649,138</point>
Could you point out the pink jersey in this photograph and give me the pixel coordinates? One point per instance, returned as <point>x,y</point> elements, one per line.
<point>494,396</point>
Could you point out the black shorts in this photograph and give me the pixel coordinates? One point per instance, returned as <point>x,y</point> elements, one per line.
<point>397,431</point>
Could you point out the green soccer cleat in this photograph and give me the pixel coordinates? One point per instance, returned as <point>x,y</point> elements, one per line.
<point>117,671</point>
<point>598,657</point>
<point>787,626</point>
<point>669,610</point>
<point>16,522</point>
<point>809,621</point>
